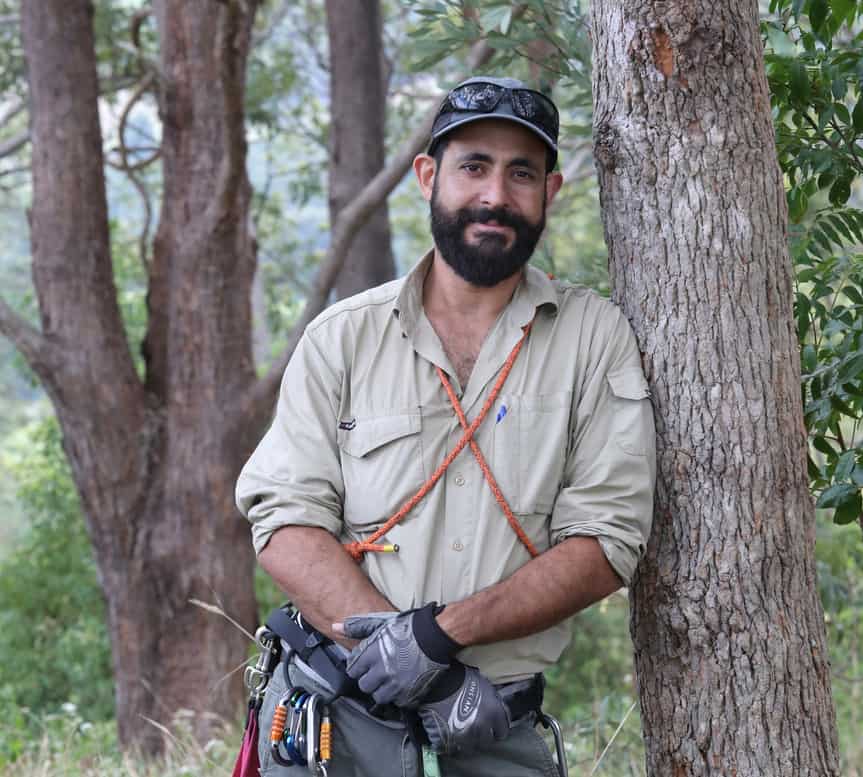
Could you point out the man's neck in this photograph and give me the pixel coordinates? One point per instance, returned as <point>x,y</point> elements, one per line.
<point>447,294</point>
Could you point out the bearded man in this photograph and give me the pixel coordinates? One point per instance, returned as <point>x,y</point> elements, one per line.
<point>460,461</point>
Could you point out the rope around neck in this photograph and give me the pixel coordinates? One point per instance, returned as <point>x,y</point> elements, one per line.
<point>359,549</point>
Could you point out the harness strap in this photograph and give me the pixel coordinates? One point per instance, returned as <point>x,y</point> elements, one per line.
<point>359,549</point>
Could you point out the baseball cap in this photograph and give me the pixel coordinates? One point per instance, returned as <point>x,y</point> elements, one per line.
<point>486,97</point>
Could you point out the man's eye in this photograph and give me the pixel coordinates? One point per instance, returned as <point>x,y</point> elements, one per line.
<point>524,175</point>
<point>471,167</point>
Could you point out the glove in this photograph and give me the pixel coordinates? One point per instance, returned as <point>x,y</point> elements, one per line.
<point>463,712</point>
<point>401,656</point>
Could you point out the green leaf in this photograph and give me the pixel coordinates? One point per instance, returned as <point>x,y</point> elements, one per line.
<point>850,510</point>
<point>818,10</point>
<point>493,18</point>
<point>844,466</point>
<point>851,369</point>
<point>820,444</point>
<point>840,192</point>
<point>853,293</point>
<point>809,358</point>
<point>798,204</point>
<point>799,82</point>
<point>842,113</point>
<point>857,115</point>
<point>837,494</point>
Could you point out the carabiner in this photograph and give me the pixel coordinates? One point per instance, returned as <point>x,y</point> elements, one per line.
<point>549,722</point>
<point>294,740</point>
<point>277,730</point>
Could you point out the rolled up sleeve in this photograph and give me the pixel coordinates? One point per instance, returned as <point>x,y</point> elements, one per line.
<point>293,478</point>
<point>610,470</point>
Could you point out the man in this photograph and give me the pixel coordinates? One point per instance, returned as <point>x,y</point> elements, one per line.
<point>545,505</point>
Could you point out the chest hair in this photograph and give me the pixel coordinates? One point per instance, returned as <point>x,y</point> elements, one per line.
<point>462,346</point>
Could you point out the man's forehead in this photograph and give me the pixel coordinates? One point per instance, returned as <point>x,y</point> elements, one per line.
<point>497,139</point>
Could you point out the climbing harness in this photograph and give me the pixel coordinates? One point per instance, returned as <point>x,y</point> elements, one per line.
<point>301,732</point>
<point>359,549</point>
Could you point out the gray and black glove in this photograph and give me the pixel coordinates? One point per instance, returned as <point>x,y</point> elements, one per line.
<point>401,655</point>
<point>463,712</point>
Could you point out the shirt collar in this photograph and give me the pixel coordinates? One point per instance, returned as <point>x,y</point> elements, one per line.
<point>534,291</point>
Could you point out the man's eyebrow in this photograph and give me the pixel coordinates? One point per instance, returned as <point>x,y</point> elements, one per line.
<point>475,156</point>
<point>523,161</point>
<point>479,156</point>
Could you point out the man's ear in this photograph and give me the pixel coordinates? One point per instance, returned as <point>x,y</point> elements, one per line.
<point>424,169</point>
<point>553,182</point>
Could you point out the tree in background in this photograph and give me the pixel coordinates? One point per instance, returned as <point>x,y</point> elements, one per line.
<point>358,89</point>
<point>729,633</point>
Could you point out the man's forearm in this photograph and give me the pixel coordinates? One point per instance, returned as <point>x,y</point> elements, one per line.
<point>321,579</point>
<point>549,588</point>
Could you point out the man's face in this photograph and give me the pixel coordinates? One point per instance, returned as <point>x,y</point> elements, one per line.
<point>488,200</point>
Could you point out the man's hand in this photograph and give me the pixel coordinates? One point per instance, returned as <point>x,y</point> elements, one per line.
<point>463,712</point>
<point>401,655</point>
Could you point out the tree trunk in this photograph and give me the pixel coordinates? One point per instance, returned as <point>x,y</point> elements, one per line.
<point>154,462</point>
<point>357,131</point>
<point>729,634</point>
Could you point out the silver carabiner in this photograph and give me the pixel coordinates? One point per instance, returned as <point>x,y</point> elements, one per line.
<point>312,727</point>
<point>258,676</point>
<point>549,722</point>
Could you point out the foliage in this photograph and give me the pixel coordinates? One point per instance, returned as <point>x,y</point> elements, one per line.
<point>53,642</point>
<point>68,744</point>
<point>840,562</point>
<point>815,65</point>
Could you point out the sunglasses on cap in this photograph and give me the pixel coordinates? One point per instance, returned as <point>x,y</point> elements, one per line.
<point>484,97</point>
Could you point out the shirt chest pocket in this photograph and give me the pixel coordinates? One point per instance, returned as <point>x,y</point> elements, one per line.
<point>531,435</point>
<point>382,468</point>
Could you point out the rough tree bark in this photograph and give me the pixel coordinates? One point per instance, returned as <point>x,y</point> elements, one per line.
<point>357,124</point>
<point>153,461</point>
<point>728,629</point>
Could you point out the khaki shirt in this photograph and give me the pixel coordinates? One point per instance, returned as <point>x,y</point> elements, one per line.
<point>363,421</point>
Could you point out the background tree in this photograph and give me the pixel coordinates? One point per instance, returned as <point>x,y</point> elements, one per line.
<point>358,89</point>
<point>728,630</point>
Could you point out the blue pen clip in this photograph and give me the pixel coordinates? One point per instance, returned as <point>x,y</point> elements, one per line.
<point>500,414</point>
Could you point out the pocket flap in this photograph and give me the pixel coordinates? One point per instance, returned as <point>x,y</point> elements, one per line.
<point>628,383</point>
<point>371,433</point>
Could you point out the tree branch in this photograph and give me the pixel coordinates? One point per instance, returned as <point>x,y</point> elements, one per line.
<point>12,110</point>
<point>235,25</point>
<point>275,19</point>
<point>349,221</point>
<point>12,145</point>
<point>27,339</point>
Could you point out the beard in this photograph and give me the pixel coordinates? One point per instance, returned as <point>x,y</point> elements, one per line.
<point>486,262</point>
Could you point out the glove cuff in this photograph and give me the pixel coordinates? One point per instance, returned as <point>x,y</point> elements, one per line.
<point>447,684</point>
<point>431,638</point>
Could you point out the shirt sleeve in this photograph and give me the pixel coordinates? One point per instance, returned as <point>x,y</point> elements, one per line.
<point>294,478</point>
<point>610,470</point>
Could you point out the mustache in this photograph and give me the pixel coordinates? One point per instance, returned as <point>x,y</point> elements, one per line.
<point>502,216</point>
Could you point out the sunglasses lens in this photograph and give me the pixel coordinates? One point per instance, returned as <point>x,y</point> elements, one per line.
<point>537,109</point>
<point>476,97</point>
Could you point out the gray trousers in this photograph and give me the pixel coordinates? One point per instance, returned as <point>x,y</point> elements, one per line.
<point>366,746</point>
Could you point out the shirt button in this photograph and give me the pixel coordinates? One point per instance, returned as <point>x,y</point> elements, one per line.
<point>459,481</point>
<point>457,546</point>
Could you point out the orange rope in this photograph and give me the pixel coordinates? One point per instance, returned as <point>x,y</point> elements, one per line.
<point>358,549</point>
<point>495,489</point>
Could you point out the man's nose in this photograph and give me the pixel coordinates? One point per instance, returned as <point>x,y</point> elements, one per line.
<point>494,193</point>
